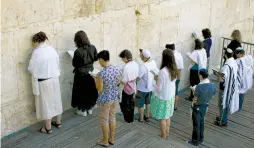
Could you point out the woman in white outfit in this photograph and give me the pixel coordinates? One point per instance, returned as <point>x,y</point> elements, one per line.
<point>45,70</point>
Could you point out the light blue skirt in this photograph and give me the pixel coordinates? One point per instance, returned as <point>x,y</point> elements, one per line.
<point>162,109</point>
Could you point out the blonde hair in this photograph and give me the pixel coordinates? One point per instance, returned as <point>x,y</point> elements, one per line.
<point>236,35</point>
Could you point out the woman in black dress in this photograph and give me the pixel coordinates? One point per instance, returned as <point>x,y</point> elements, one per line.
<point>84,93</point>
<point>236,41</point>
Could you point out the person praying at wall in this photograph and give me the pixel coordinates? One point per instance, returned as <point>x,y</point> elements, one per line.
<point>145,84</point>
<point>203,93</point>
<point>236,41</point>
<point>106,83</point>
<point>198,60</point>
<point>163,98</point>
<point>179,65</point>
<point>45,69</point>
<point>244,73</point>
<point>129,76</point>
<point>207,42</point>
<point>229,92</point>
<point>84,93</point>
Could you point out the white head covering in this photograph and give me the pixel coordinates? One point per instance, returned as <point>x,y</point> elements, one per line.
<point>239,49</point>
<point>229,50</point>
<point>146,53</point>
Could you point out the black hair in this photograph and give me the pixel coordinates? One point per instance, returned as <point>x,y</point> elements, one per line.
<point>198,44</point>
<point>104,54</point>
<point>206,33</point>
<point>39,37</point>
<point>81,39</point>
<point>170,46</point>
<point>126,54</point>
<point>204,74</point>
<point>228,54</point>
<point>168,60</point>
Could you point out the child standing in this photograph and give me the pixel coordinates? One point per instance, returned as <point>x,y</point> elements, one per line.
<point>204,92</point>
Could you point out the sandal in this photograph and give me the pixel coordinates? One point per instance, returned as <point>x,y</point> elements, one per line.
<point>47,131</point>
<point>111,142</point>
<point>141,121</point>
<point>102,144</point>
<point>56,125</point>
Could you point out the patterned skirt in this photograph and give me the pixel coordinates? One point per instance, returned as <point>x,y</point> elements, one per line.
<point>162,109</point>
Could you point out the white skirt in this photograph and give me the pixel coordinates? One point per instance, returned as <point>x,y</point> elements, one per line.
<point>49,103</point>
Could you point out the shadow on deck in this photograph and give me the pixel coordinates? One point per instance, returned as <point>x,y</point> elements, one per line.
<point>83,132</point>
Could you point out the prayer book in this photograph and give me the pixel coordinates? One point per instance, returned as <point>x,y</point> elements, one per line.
<point>217,72</point>
<point>94,73</point>
<point>154,73</point>
<point>71,53</point>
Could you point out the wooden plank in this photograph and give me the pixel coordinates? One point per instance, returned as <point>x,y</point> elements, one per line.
<point>147,142</point>
<point>126,137</point>
<point>37,137</point>
<point>65,136</point>
<point>133,141</point>
<point>91,135</point>
<point>119,133</point>
<point>160,144</point>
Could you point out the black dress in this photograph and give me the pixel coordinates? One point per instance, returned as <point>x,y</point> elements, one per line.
<point>233,45</point>
<point>84,92</point>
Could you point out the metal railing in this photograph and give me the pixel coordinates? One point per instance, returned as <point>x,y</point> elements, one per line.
<point>248,47</point>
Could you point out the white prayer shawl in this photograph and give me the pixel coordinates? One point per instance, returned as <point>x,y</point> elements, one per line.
<point>245,73</point>
<point>231,91</point>
<point>44,64</point>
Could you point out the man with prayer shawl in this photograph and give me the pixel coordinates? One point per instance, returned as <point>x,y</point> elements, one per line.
<point>245,73</point>
<point>229,92</point>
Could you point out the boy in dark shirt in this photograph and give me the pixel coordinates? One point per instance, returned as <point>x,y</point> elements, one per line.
<point>204,92</point>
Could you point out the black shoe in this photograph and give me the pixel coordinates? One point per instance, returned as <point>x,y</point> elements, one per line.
<point>146,119</point>
<point>175,108</point>
<point>217,118</point>
<point>188,99</point>
<point>220,124</point>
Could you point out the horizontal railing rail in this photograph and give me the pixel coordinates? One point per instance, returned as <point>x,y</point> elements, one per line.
<point>248,47</point>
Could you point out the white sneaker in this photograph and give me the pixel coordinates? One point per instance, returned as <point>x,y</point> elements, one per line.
<point>79,112</point>
<point>84,113</point>
<point>90,112</point>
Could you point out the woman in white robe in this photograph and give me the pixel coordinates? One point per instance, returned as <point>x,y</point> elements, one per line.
<point>229,92</point>
<point>45,70</point>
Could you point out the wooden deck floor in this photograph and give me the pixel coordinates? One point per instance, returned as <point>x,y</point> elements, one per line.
<point>83,132</point>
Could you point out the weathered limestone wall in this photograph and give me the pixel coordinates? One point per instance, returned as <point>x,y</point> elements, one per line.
<point>111,25</point>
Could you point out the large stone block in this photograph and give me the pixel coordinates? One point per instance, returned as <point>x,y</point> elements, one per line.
<point>21,12</point>
<point>24,36</point>
<point>120,32</point>
<point>170,22</point>
<point>78,8</point>
<point>9,85</point>
<point>149,26</point>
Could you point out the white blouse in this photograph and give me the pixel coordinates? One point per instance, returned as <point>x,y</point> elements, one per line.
<point>165,87</point>
<point>44,62</point>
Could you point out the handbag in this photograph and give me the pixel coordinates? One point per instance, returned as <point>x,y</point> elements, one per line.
<point>129,87</point>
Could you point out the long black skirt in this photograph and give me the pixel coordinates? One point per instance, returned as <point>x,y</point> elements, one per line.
<point>194,80</point>
<point>84,92</point>
<point>127,107</point>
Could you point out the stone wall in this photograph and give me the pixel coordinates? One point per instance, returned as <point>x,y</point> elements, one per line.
<point>111,25</point>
